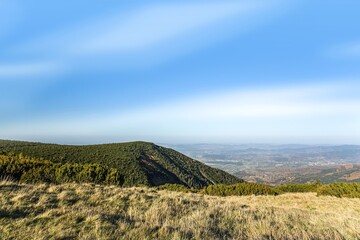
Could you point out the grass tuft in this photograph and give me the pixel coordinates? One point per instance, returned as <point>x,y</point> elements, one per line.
<point>88,211</point>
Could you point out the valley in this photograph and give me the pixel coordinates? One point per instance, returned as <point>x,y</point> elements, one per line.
<point>280,164</point>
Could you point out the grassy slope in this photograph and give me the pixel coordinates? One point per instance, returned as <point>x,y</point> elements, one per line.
<point>147,163</point>
<point>72,211</point>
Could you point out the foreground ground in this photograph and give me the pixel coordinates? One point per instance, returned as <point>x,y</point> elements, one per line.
<point>74,211</point>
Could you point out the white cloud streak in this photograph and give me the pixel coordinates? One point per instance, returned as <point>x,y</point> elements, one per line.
<point>156,24</point>
<point>21,71</point>
<point>346,50</point>
<point>296,111</point>
<point>10,15</point>
<point>145,32</point>
<point>148,26</point>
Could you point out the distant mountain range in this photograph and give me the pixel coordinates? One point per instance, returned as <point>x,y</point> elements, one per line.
<point>139,163</point>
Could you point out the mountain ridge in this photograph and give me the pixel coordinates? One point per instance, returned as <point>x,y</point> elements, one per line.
<point>140,163</point>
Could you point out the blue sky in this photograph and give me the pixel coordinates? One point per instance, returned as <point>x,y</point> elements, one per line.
<point>227,71</point>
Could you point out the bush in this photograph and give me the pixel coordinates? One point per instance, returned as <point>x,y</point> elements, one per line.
<point>350,190</point>
<point>240,189</point>
<point>306,187</point>
<point>30,170</point>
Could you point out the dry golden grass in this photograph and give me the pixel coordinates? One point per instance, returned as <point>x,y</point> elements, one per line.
<point>85,211</point>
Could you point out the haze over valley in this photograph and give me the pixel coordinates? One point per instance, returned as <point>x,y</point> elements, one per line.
<point>279,164</point>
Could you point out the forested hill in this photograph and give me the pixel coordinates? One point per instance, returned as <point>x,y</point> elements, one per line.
<point>138,163</point>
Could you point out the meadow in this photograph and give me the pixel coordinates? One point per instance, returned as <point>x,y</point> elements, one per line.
<point>90,211</point>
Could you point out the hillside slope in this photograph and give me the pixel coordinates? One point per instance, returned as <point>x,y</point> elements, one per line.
<point>140,163</point>
<point>87,211</point>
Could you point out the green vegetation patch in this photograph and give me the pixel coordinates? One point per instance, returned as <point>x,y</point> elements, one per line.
<point>350,190</point>
<point>29,170</point>
<point>305,187</point>
<point>240,189</point>
<point>140,163</point>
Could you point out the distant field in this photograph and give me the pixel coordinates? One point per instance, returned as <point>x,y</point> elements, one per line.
<point>325,174</point>
<point>86,211</point>
<point>281,164</point>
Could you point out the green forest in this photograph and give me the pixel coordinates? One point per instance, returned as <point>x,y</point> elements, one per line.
<point>135,163</point>
<point>31,170</point>
<point>138,164</point>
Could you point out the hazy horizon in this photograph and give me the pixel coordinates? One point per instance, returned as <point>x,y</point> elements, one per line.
<point>233,72</point>
<point>171,144</point>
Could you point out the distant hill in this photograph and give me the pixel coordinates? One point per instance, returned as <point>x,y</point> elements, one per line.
<point>139,163</point>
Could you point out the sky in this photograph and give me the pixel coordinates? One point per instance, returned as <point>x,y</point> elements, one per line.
<point>199,71</point>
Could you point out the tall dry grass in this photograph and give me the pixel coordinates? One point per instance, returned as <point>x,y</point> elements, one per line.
<point>85,211</point>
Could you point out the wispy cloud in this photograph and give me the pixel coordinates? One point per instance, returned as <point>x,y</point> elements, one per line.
<point>292,111</point>
<point>140,36</point>
<point>346,50</point>
<point>148,26</point>
<point>156,24</point>
<point>352,50</point>
<point>21,71</point>
<point>9,16</point>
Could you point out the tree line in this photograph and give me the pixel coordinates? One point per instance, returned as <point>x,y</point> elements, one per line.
<point>32,170</point>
